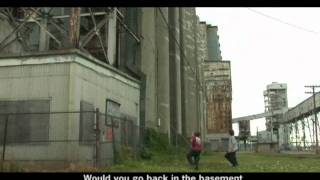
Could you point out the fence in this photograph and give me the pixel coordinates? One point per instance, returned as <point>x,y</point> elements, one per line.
<point>60,138</point>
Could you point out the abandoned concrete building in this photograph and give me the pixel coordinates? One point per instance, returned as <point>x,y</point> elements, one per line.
<point>158,68</point>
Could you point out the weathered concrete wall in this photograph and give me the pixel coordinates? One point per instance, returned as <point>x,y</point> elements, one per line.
<point>202,56</point>
<point>217,76</point>
<point>65,80</point>
<point>33,82</point>
<point>189,65</point>
<point>217,79</point>
<point>149,64</point>
<point>163,83</point>
<point>163,61</point>
<point>197,73</point>
<point>96,84</point>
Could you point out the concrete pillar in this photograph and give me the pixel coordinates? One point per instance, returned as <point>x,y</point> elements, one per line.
<point>178,73</point>
<point>188,71</point>
<point>148,64</point>
<point>112,36</point>
<point>163,86</point>
<point>175,78</point>
<point>182,73</point>
<point>203,55</point>
<point>197,68</point>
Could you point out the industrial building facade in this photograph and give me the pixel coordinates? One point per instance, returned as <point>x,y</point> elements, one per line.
<point>276,99</point>
<point>148,64</point>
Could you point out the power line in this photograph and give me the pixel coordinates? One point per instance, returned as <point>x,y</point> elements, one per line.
<point>283,22</point>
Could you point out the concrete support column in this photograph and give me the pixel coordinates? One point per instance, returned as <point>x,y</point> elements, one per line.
<point>149,65</point>
<point>188,71</point>
<point>182,73</point>
<point>197,76</point>
<point>112,36</point>
<point>163,85</point>
<point>175,78</point>
<point>177,69</point>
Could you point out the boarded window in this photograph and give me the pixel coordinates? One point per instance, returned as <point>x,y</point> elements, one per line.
<point>24,124</point>
<point>87,135</point>
<point>112,112</point>
<point>113,117</point>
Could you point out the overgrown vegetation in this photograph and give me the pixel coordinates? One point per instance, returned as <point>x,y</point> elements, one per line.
<point>159,156</point>
<point>154,142</point>
<point>124,153</point>
<point>215,162</point>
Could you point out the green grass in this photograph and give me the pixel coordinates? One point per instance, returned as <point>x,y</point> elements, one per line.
<point>215,162</point>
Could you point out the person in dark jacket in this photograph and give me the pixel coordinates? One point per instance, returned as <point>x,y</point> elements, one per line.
<point>193,156</point>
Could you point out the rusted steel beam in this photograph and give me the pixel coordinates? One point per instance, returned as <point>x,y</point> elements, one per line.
<point>74,27</point>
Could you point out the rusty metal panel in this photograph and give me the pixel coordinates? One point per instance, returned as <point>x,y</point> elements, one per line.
<point>217,76</point>
<point>74,26</point>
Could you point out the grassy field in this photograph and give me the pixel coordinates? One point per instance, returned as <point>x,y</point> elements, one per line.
<point>215,162</point>
<point>209,162</point>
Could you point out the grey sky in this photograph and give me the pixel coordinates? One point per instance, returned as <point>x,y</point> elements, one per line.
<point>263,50</point>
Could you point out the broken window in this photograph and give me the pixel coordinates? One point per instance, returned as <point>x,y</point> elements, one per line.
<point>112,117</point>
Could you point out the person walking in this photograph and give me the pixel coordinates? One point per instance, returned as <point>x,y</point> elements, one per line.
<point>232,149</point>
<point>193,156</point>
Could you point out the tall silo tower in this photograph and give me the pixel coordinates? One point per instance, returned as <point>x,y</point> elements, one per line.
<point>276,99</point>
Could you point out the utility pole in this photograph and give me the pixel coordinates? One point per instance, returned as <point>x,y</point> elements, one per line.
<point>315,112</point>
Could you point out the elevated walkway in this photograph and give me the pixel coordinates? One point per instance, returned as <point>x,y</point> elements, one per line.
<point>256,116</point>
<point>300,111</point>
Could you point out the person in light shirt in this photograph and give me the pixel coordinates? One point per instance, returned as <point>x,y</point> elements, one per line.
<point>193,156</point>
<point>232,149</point>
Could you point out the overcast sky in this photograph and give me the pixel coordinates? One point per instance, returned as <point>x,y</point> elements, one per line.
<point>267,45</point>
